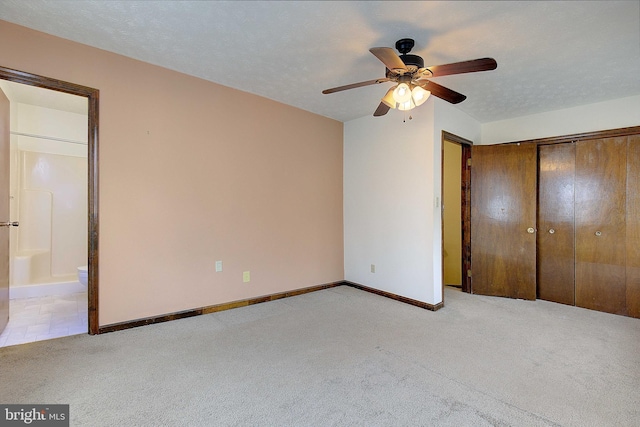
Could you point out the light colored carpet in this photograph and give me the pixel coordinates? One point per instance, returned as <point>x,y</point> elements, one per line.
<point>345,357</point>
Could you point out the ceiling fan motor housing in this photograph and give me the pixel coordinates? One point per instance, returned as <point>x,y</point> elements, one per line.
<point>404,46</point>
<point>414,60</point>
<point>413,64</point>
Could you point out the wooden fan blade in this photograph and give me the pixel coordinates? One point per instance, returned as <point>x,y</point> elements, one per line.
<point>381,110</point>
<point>483,64</point>
<point>389,58</point>
<point>354,85</point>
<point>442,92</point>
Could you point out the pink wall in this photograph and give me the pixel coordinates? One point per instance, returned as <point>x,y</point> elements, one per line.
<point>192,172</point>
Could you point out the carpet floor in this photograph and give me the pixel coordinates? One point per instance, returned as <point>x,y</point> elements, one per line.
<point>344,357</point>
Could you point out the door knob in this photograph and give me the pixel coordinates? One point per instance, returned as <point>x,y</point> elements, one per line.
<point>598,233</point>
<point>551,231</point>
<point>9,224</point>
<point>531,230</point>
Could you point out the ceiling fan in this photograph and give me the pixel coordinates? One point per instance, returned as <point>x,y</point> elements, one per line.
<point>412,78</point>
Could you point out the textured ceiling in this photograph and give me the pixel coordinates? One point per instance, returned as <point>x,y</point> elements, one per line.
<point>551,54</point>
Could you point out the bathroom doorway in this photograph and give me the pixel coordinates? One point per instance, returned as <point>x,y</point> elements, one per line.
<point>78,156</point>
<point>48,197</point>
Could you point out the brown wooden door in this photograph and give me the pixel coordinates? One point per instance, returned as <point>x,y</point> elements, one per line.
<point>556,236</point>
<point>633,226</point>
<point>600,193</point>
<point>503,220</point>
<point>4,211</point>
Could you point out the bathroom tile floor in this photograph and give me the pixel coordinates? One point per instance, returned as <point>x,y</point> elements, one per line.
<point>43,318</point>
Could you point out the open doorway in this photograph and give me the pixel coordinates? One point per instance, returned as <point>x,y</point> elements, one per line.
<point>48,198</point>
<point>91,97</point>
<point>456,211</point>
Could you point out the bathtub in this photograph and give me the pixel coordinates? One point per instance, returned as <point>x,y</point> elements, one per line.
<point>30,267</point>
<point>30,276</point>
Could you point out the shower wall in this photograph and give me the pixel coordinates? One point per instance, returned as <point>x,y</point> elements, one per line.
<point>49,195</point>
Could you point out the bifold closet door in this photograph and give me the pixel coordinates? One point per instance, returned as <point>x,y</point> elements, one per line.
<point>503,220</point>
<point>600,215</point>
<point>556,236</point>
<point>633,226</point>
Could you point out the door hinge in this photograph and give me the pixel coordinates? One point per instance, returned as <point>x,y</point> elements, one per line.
<point>469,162</point>
<point>469,273</point>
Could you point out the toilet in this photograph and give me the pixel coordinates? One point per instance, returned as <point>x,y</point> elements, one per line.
<point>83,274</point>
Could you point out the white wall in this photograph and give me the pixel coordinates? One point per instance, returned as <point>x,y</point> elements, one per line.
<point>392,184</point>
<point>48,122</point>
<point>619,113</point>
<point>392,179</point>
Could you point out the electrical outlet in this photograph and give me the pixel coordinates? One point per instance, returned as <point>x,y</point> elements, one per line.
<point>246,276</point>
<point>218,266</point>
<point>373,268</point>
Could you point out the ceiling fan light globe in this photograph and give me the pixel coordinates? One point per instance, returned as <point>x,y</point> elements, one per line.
<point>419,95</point>
<point>402,93</point>
<point>406,106</point>
<point>388,98</point>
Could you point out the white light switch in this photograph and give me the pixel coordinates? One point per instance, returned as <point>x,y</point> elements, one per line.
<point>373,268</point>
<point>246,276</point>
<point>218,266</point>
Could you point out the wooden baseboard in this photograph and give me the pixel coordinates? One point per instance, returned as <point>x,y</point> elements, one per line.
<point>405,300</point>
<point>212,308</point>
<point>243,303</point>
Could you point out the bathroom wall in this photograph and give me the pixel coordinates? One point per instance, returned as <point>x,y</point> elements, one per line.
<point>51,123</point>
<point>49,192</point>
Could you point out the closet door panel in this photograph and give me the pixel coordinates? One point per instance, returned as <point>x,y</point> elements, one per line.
<point>600,193</point>
<point>556,236</point>
<point>633,226</point>
<point>503,208</point>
